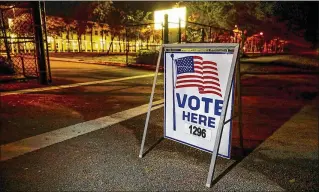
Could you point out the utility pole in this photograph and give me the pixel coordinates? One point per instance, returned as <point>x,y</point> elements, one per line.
<point>36,10</point>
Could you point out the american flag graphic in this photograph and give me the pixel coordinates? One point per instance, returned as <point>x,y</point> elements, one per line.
<point>193,71</point>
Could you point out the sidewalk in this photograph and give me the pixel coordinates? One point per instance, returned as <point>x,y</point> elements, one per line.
<point>285,60</point>
<point>287,160</point>
<point>294,61</point>
<point>89,61</point>
<point>107,63</point>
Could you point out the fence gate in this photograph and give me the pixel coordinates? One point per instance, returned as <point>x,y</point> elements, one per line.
<point>17,40</point>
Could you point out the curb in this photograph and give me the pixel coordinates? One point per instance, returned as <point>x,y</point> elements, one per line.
<point>105,63</point>
<point>88,62</point>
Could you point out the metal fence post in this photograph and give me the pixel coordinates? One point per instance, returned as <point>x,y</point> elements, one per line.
<point>23,67</point>
<point>46,39</point>
<point>202,34</point>
<point>179,31</point>
<point>210,35</point>
<point>166,29</point>
<point>39,42</point>
<point>3,28</point>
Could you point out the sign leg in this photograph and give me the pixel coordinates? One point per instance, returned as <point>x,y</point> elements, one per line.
<point>150,103</point>
<point>217,143</point>
<point>221,122</point>
<point>174,118</point>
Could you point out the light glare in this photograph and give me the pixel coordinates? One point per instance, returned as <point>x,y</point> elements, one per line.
<point>173,17</point>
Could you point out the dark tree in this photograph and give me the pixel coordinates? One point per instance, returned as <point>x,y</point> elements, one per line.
<point>301,18</point>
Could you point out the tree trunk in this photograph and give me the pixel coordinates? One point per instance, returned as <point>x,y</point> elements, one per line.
<point>135,46</point>
<point>79,43</point>
<point>62,44</point>
<point>123,41</point>
<point>102,42</point>
<point>54,45</point>
<point>120,43</point>
<point>68,38</point>
<point>111,44</point>
<point>104,46</point>
<point>92,39</point>
<point>86,43</point>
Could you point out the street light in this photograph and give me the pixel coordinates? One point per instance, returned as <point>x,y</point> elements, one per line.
<point>262,42</point>
<point>173,17</point>
<point>236,31</point>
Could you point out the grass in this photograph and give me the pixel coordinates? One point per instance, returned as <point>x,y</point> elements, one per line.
<point>292,60</point>
<point>111,58</point>
<point>99,57</point>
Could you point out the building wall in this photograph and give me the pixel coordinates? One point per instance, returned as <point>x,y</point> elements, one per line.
<point>97,44</point>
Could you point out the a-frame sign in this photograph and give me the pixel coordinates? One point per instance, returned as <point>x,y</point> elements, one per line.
<point>198,96</point>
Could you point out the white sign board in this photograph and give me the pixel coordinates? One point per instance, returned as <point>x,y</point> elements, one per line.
<point>195,87</point>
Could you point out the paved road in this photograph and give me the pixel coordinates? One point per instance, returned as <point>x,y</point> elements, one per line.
<point>106,159</point>
<point>43,111</point>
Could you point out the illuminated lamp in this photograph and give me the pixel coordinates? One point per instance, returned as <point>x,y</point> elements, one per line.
<point>173,17</point>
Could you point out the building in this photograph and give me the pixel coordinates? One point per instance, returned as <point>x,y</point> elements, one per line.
<point>74,36</point>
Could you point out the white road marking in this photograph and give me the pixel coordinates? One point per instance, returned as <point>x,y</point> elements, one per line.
<point>72,85</point>
<point>17,148</point>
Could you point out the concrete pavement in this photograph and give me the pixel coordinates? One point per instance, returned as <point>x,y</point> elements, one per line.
<point>287,160</point>
<point>86,61</point>
<point>107,159</point>
<point>85,93</point>
<point>15,149</point>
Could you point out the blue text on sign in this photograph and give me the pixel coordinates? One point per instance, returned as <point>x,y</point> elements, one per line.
<point>194,103</point>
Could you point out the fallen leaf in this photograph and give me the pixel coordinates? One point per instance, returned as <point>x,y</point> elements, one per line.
<point>292,180</point>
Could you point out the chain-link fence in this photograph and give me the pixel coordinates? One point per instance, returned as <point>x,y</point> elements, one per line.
<point>143,37</point>
<point>17,41</point>
<point>18,50</point>
<point>201,33</point>
<point>143,42</point>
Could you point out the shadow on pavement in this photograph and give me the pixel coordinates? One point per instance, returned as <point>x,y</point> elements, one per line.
<point>268,102</point>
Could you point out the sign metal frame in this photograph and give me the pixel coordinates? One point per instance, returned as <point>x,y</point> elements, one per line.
<point>179,47</point>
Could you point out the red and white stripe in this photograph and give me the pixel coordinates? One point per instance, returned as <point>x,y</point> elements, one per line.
<point>205,77</point>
